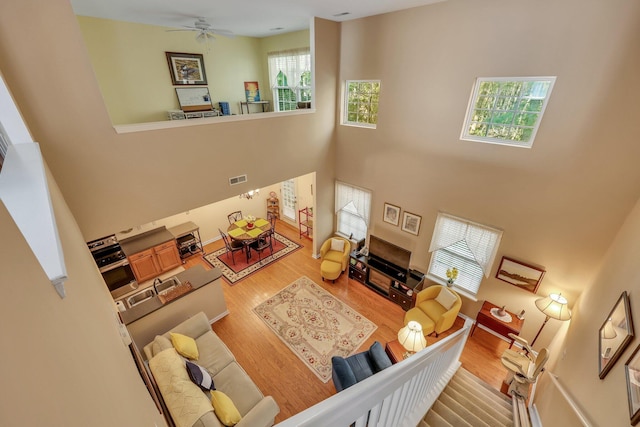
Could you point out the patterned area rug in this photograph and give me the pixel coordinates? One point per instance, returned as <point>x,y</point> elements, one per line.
<point>233,273</point>
<point>314,324</point>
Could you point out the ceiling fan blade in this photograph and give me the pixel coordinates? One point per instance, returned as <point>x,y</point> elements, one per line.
<point>224,33</point>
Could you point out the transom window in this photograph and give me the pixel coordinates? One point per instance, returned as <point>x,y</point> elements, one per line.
<point>353,209</point>
<point>466,245</point>
<point>290,77</point>
<point>361,103</point>
<point>507,110</point>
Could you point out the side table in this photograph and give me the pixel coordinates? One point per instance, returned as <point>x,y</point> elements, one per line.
<point>486,319</point>
<point>395,351</point>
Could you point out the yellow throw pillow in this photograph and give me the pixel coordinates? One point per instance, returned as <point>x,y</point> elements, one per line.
<point>224,408</point>
<point>185,345</point>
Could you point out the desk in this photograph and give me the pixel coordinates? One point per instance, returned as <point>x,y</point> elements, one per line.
<point>266,106</point>
<point>486,319</point>
<point>241,232</point>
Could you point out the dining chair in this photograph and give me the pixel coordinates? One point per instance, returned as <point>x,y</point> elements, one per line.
<point>271,217</point>
<point>232,246</point>
<point>262,243</point>
<point>234,216</point>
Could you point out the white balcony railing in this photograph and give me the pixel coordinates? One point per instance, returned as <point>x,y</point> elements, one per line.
<point>399,396</point>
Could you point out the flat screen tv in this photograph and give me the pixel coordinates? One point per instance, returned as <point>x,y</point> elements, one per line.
<point>389,252</point>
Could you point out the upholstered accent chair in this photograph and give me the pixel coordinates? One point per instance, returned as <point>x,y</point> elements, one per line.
<point>436,309</point>
<point>353,369</point>
<point>334,254</point>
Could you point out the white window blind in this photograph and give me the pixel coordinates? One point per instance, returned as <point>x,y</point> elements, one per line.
<point>466,245</point>
<point>353,209</point>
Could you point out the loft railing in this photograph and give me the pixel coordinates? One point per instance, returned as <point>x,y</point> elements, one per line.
<point>398,396</point>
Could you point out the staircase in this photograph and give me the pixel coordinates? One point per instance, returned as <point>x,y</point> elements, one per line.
<point>467,401</point>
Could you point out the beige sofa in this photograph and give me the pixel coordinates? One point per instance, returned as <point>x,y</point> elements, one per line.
<point>228,376</point>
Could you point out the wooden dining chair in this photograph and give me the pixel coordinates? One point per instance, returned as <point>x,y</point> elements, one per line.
<point>262,243</point>
<point>232,246</point>
<point>234,216</point>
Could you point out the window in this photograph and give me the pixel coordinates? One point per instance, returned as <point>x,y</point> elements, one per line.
<point>353,208</point>
<point>290,78</point>
<point>466,245</point>
<point>361,103</point>
<point>507,110</point>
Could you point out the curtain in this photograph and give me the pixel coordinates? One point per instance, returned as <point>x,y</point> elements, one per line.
<point>353,199</point>
<point>291,62</point>
<point>481,240</point>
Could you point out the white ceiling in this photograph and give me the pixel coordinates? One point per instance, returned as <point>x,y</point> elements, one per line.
<point>256,18</point>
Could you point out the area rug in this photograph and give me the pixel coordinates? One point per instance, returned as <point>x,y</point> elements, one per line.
<point>314,324</point>
<point>233,273</point>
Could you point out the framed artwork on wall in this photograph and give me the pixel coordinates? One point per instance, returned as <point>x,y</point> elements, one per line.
<point>632,372</point>
<point>520,274</point>
<point>411,223</point>
<point>615,334</point>
<point>186,68</point>
<point>391,214</point>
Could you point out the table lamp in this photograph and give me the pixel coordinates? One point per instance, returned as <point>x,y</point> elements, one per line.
<point>411,338</point>
<point>555,305</point>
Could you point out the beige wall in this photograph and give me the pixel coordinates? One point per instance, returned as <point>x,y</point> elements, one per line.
<point>63,361</point>
<point>559,203</point>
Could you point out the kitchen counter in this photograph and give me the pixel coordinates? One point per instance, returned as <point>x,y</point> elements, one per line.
<point>197,276</point>
<point>146,240</point>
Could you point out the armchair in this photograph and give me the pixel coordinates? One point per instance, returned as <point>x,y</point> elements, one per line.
<point>524,369</point>
<point>436,308</point>
<point>334,254</point>
<point>353,369</point>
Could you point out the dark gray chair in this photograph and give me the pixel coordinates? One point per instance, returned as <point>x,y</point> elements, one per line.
<point>262,243</point>
<point>353,369</point>
<point>232,246</point>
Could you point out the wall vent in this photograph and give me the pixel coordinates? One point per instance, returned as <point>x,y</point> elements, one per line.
<point>237,179</point>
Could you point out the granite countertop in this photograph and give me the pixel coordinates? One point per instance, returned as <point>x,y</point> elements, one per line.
<point>197,276</point>
<point>146,240</point>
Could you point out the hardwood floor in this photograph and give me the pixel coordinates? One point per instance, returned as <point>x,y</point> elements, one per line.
<point>275,369</point>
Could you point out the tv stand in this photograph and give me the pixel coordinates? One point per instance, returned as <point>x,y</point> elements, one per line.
<point>387,279</point>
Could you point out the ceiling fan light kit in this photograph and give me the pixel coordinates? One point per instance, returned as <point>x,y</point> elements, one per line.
<point>205,31</point>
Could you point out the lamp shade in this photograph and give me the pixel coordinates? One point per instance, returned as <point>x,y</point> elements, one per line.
<point>609,332</point>
<point>411,337</point>
<point>554,306</point>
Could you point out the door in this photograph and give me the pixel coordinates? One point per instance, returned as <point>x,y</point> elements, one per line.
<point>289,199</point>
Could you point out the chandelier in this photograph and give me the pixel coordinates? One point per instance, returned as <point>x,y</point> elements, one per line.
<point>250,194</point>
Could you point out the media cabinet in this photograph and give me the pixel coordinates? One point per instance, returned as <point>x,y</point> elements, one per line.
<point>395,283</point>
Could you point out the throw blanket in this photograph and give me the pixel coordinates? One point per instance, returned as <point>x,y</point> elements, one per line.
<point>186,402</point>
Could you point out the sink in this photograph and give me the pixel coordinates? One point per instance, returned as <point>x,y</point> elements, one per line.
<point>141,297</point>
<point>166,285</point>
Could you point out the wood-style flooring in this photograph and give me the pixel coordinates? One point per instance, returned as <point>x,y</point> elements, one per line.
<point>275,369</point>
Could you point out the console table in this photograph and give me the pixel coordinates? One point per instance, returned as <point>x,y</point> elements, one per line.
<point>385,278</point>
<point>266,105</point>
<point>486,319</point>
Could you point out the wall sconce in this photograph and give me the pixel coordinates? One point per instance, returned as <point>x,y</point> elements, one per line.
<point>250,194</point>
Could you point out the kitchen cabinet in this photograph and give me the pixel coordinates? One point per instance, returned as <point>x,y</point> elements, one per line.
<point>154,261</point>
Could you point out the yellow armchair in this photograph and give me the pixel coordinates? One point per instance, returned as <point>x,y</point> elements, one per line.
<point>334,254</point>
<point>436,310</point>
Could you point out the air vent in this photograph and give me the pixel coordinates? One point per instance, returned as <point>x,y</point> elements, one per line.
<point>238,179</point>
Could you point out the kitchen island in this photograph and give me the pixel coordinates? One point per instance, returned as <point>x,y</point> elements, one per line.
<point>150,318</point>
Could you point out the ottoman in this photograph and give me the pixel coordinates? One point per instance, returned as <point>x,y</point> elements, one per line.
<point>330,270</point>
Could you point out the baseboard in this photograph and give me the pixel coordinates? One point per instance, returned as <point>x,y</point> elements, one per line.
<point>218,317</point>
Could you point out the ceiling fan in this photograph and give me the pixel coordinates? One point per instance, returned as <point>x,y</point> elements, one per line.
<point>205,31</point>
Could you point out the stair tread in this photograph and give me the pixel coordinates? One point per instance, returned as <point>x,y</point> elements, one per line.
<point>482,410</point>
<point>481,399</point>
<point>449,415</point>
<point>466,374</point>
<point>433,419</point>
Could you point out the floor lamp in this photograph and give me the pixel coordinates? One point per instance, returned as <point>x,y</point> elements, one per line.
<point>555,305</point>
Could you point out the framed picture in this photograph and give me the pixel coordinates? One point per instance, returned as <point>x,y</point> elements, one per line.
<point>411,223</point>
<point>391,214</point>
<point>520,274</point>
<point>252,91</point>
<point>186,68</point>
<point>614,335</point>
<point>194,98</point>
<point>632,372</point>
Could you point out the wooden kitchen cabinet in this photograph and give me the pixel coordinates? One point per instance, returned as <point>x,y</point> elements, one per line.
<point>167,255</point>
<point>154,261</point>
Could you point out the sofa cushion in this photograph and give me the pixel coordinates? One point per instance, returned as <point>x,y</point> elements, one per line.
<point>200,376</point>
<point>337,245</point>
<point>235,383</point>
<point>342,374</point>
<point>214,354</point>
<point>224,408</point>
<point>379,357</point>
<point>432,308</point>
<point>446,298</point>
<point>333,256</point>
<point>184,345</point>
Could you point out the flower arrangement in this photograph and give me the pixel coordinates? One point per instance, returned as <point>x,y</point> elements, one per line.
<point>452,275</point>
<point>250,220</point>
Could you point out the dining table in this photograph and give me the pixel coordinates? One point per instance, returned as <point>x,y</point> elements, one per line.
<point>242,231</point>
